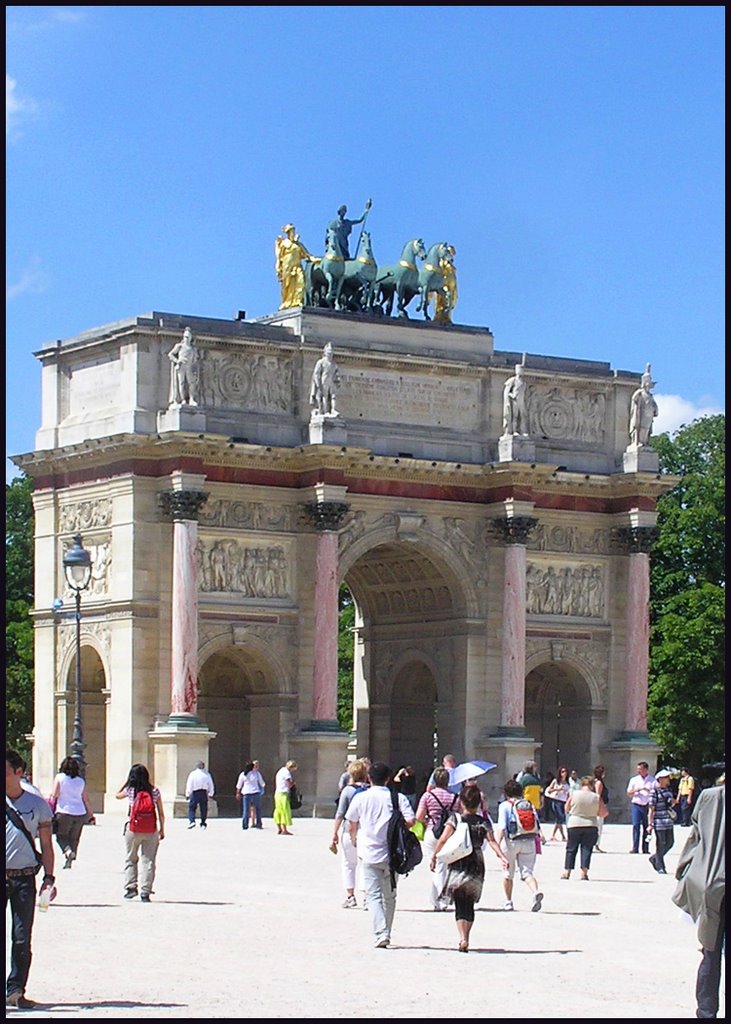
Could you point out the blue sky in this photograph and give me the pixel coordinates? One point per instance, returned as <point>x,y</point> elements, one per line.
<point>574,156</point>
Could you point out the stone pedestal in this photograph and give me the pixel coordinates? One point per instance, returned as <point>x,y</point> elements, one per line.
<point>516,448</point>
<point>320,756</point>
<point>640,459</point>
<point>326,429</point>
<point>181,417</point>
<point>178,744</point>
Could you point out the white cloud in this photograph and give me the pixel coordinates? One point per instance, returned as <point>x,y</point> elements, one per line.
<point>675,412</point>
<point>33,280</point>
<point>17,106</point>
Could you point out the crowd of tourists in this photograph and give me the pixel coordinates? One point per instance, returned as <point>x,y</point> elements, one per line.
<point>384,828</point>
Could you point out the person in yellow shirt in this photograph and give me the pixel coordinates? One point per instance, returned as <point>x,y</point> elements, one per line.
<point>684,799</point>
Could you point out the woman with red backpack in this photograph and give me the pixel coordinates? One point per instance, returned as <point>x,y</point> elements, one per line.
<point>143,831</point>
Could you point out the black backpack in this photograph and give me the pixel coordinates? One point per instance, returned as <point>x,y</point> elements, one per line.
<point>404,848</point>
<point>444,816</point>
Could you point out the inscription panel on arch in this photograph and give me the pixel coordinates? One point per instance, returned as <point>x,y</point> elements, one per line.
<point>417,399</point>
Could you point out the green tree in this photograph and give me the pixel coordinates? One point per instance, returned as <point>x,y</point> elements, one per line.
<point>346,637</point>
<point>18,603</point>
<point>687,609</point>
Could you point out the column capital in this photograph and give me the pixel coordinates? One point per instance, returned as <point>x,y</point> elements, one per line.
<point>326,515</point>
<point>513,529</point>
<point>181,505</point>
<point>634,540</point>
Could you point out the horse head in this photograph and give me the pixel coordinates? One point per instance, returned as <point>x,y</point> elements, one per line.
<point>365,249</point>
<point>332,245</point>
<point>438,251</point>
<point>411,250</point>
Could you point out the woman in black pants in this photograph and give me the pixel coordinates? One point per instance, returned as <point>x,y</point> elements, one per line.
<point>582,808</point>
<point>465,876</point>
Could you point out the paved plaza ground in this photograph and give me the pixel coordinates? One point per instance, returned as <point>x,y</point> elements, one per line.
<point>249,924</point>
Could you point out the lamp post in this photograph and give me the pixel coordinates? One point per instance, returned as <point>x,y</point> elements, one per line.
<point>77,569</point>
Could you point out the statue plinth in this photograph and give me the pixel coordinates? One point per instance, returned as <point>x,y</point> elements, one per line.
<point>516,448</point>
<point>326,428</point>
<point>181,417</point>
<point>638,458</point>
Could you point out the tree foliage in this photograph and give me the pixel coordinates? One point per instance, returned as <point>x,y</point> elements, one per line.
<point>18,603</point>
<point>345,658</point>
<point>688,585</point>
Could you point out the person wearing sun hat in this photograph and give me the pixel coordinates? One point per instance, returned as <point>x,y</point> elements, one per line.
<point>660,816</point>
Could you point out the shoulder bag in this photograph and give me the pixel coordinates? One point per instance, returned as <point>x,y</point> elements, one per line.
<point>458,845</point>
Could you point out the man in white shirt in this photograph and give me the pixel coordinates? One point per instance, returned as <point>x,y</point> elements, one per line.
<point>368,819</point>
<point>198,788</point>
<point>639,790</point>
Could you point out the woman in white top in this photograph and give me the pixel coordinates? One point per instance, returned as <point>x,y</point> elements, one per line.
<point>557,792</point>
<point>71,806</point>
<point>282,807</point>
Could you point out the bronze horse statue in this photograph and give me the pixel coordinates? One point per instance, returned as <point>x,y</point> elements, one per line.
<point>360,273</point>
<point>399,281</point>
<point>431,277</point>
<point>324,277</point>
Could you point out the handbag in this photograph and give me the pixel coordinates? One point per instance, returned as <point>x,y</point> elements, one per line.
<point>458,845</point>
<point>295,798</point>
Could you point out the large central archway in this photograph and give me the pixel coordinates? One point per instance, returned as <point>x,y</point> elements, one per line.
<point>238,700</point>
<point>410,655</point>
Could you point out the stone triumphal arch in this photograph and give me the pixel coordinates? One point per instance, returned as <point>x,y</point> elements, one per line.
<point>497,554</point>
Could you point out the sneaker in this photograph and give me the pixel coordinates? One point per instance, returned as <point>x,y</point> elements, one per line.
<point>203,825</point>
<point>130,894</point>
<point>508,905</point>
<point>381,943</point>
<point>20,1001</point>
<point>537,900</point>
<point>350,902</point>
<point>191,824</point>
<point>145,897</point>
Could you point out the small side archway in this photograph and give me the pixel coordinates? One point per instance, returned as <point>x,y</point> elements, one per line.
<point>558,715</point>
<point>94,694</point>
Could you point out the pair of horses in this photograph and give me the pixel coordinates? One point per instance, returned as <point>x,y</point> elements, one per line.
<point>360,285</point>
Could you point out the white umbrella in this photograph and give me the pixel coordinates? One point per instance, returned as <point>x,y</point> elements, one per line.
<point>470,770</point>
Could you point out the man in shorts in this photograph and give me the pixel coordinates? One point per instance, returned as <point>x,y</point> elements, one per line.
<point>520,851</point>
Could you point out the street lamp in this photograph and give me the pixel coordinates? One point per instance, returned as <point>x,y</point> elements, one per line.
<point>77,568</point>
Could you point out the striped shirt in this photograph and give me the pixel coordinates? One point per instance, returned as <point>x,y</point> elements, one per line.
<point>661,800</point>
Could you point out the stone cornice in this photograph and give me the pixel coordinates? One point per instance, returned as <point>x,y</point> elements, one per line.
<point>216,457</point>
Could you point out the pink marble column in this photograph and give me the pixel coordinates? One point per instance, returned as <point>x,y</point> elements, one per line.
<point>325,680</point>
<point>638,642</point>
<point>183,506</point>
<point>327,517</point>
<point>512,706</point>
<point>514,531</point>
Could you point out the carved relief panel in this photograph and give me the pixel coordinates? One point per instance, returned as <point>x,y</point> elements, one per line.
<point>567,414</point>
<point>248,515</point>
<point>243,380</point>
<point>576,590</point>
<point>245,568</point>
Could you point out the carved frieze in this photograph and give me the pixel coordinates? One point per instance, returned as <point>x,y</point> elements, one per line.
<point>249,515</point>
<point>575,539</point>
<point>354,527</point>
<point>241,380</point>
<point>574,590</point>
<point>85,515</point>
<point>231,566</point>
